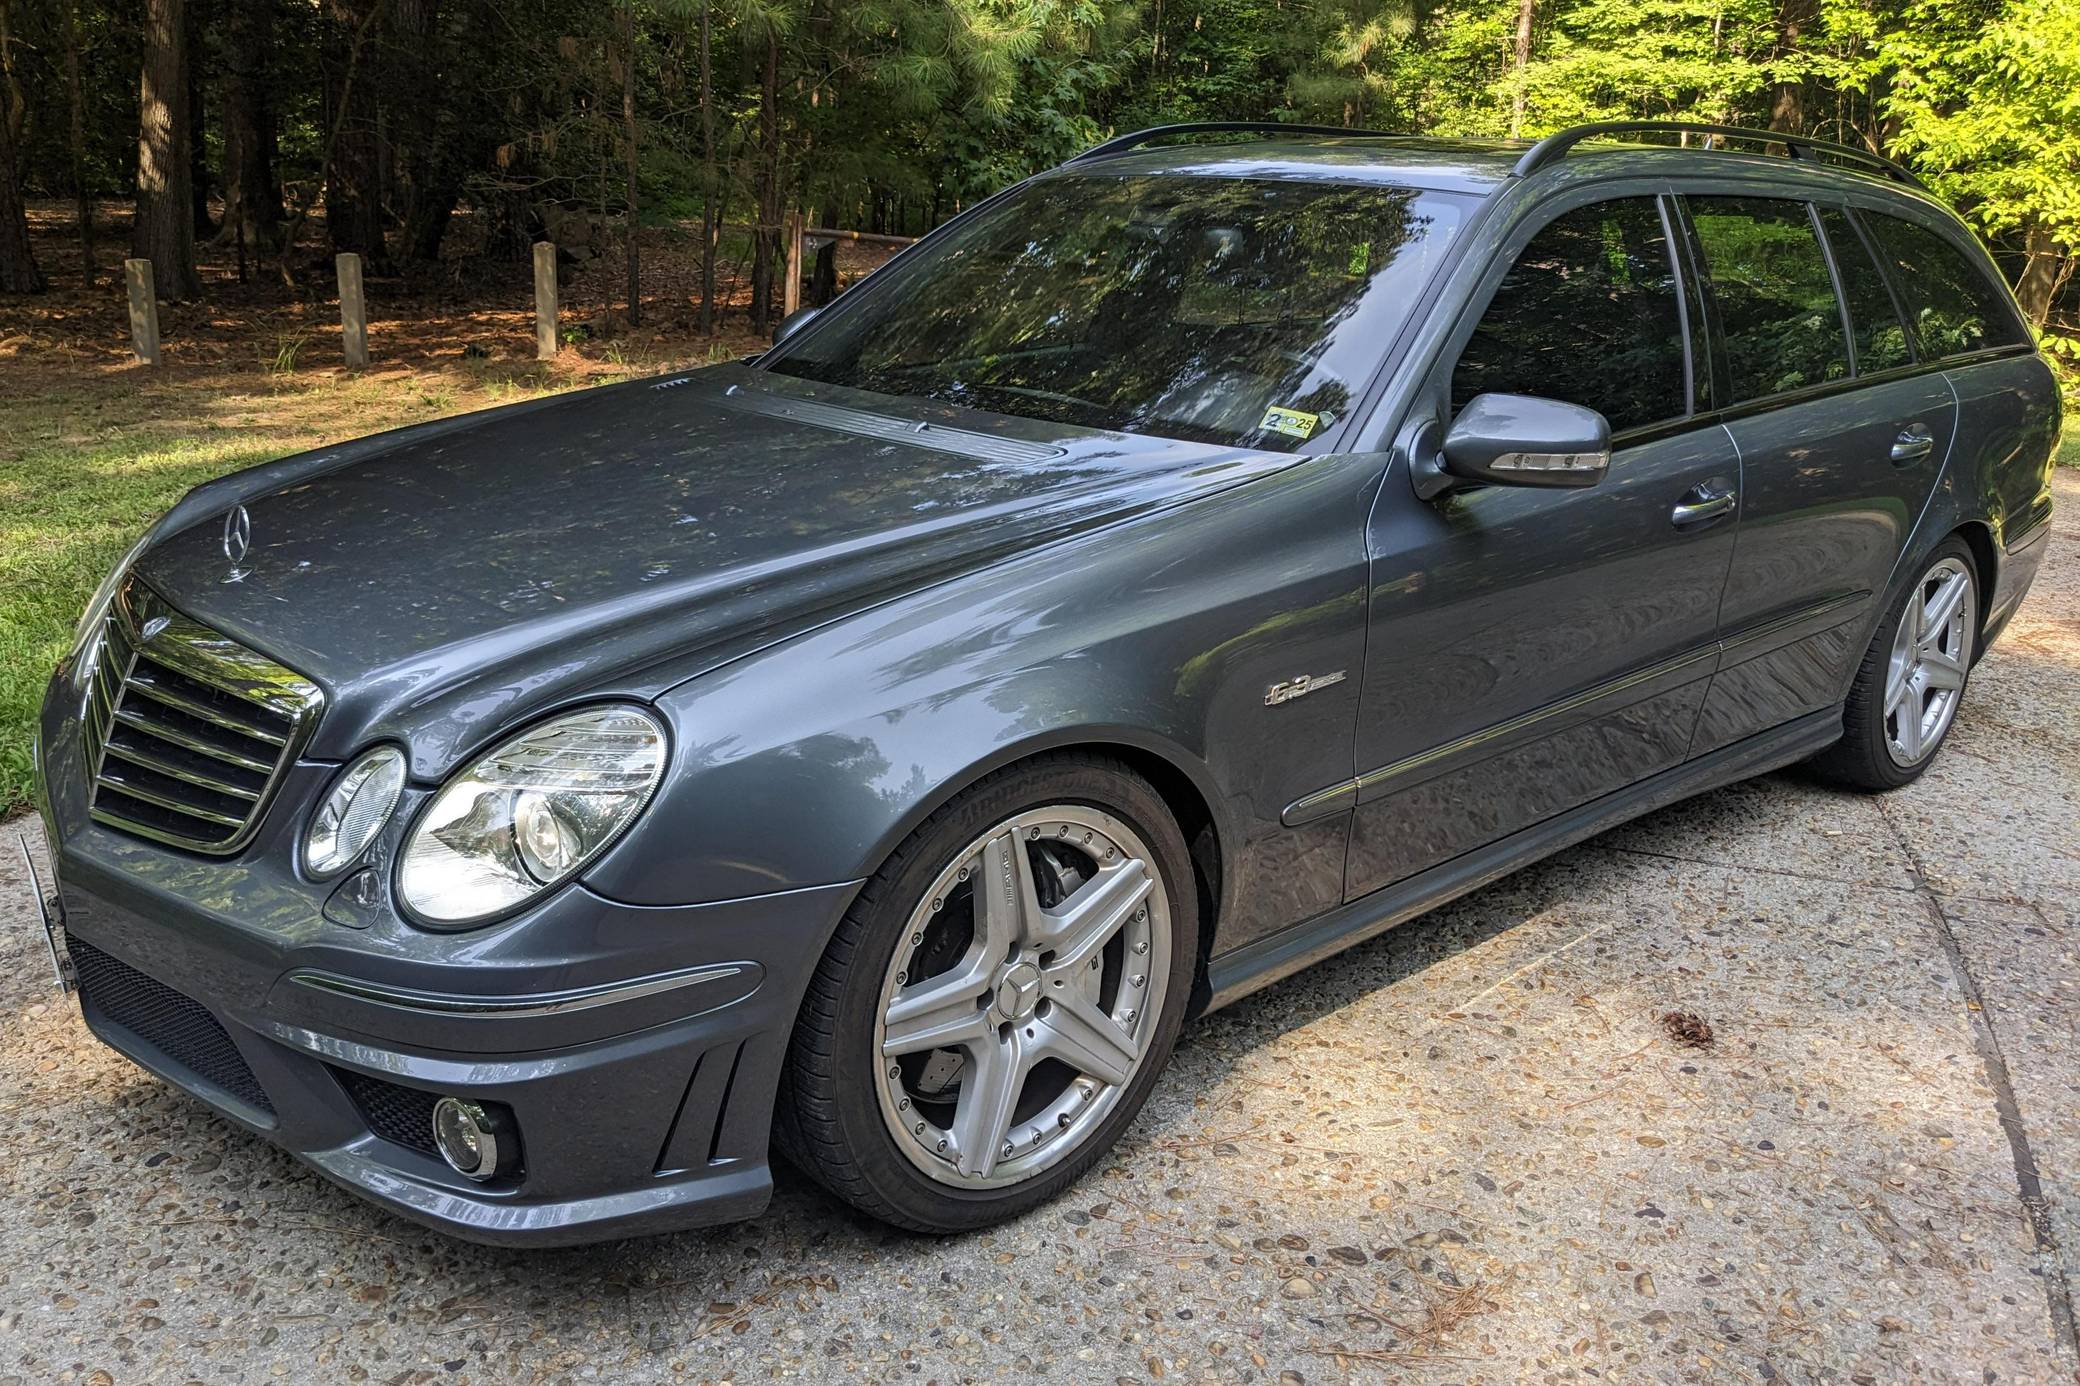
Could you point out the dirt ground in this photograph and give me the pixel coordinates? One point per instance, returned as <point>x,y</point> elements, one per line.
<point>467,308</point>
<point>1477,1149</point>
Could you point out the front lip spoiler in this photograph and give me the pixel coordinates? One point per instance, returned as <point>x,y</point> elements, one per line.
<point>511,1007</point>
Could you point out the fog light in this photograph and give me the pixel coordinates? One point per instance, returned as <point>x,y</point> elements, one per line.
<point>477,1142</point>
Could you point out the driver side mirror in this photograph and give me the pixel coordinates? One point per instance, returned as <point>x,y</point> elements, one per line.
<point>1523,440</point>
<point>792,323</point>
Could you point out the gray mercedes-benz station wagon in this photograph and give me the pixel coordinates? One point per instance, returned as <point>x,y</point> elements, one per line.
<point>1192,561</point>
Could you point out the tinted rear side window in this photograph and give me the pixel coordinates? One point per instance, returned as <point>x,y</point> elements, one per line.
<point>1777,309</point>
<point>1956,308</point>
<point>1588,315</point>
<point>1881,338</point>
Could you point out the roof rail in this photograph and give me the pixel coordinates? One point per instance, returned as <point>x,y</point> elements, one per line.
<point>1553,148</point>
<point>1122,143</point>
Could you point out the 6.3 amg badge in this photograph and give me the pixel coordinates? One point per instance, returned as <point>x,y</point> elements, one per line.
<point>1299,688</point>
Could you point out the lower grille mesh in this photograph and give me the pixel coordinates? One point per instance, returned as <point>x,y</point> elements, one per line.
<point>178,1027</point>
<point>396,1113</point>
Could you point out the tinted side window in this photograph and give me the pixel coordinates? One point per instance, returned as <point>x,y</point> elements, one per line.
<point>1881,338</point>
<point>1777,310</point>
<point>1956,308</point>
<point>1588,315</point>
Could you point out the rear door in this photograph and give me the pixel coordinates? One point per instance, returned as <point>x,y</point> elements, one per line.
<point>1842,434</point>
<point>1530,650</point>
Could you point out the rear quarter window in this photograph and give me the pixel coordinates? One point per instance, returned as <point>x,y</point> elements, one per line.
<point>1956,307</point>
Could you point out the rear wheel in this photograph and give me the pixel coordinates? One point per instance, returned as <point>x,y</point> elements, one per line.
<point>1907,693</point>
<point>998,1002</point>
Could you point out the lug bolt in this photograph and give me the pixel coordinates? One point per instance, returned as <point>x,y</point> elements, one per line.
<point>1141,914</point>
<point>1086,1091</point>
<point>902,977</point>
<point>1087,836</point>
<point>1129,1016</point>
<point>1140,981</point>
<point>1142,946</point>
<point>942,1143</point>
<point>920,1128</point>
<point>902,1104</point>
<point>895,1071</point>
<point>936,905</point>
<point>916,939</point>
<point>1008,1148</point>
<point>1110,853</point>
<point>1032,833</point>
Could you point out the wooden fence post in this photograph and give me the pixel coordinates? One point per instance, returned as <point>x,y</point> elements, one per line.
<point>353,310</point>
<point>144,311</point>
<point>544,301</point>
<point>791,296</point>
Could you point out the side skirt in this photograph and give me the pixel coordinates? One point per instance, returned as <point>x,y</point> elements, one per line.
<point>1237,973</point>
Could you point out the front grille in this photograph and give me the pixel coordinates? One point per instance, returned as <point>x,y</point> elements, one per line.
<point>188,731</point>
<point>171,1023</point>
<point>400,1114</point>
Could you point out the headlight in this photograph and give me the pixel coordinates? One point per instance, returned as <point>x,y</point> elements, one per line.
<point>354,811</point>
<point>87,633</point>
<point>530,814</point>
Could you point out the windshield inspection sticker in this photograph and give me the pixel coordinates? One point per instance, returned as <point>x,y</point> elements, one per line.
<point>1279,419</point>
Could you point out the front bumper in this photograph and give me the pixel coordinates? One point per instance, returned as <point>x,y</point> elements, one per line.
<point>637,1047</point>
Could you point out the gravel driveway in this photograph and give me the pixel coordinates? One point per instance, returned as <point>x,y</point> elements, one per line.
<point>1471,1150</point>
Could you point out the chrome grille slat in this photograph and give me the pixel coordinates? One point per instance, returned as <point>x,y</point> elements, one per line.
<point>188,732</point>
<point>142,681</point>
<point>124,784</point>
<point>137,756</point>
<point>127,717</point>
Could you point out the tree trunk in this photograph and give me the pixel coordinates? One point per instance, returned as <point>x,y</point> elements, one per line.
<point>252,198</point>
<point>2043,272</point>
<point>434,142</point>
<point>711,218</point>
<point>198,129</point>
<point>84,208</point>
<point>628,134</point>
<point>353,193</point>
<point>1522,70</point>
<point>767,236</point>
<point>18,272</point>
<point>1787,103</point>
<point>165,230</point>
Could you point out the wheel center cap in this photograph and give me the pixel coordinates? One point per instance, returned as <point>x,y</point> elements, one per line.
<point>1018,991</point>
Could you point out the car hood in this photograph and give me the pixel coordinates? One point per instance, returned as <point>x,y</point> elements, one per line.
<point>443,581</point>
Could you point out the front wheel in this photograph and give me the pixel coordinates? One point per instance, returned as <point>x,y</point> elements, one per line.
<point>1907,692</point>
<point>998,1002</point>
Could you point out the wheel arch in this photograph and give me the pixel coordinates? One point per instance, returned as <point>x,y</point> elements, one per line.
<point>1978,537</point>
<point>1179,779</point>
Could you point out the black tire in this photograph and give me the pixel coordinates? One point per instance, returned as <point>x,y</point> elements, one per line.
<point>829,1124</point>
<point>1861,759</point>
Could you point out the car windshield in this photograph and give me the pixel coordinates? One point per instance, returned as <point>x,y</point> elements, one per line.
<point>1223,310</point>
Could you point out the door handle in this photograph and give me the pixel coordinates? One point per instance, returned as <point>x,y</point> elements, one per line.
<point>1914,443</point>
<point>1708,500</point>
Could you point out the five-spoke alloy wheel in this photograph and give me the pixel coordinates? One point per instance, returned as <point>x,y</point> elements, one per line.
<point>996,1006</point>
<point>1907,691</point>
<point>1931,654</point>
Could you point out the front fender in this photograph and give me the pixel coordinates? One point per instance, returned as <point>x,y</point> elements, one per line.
<point>807,762</point>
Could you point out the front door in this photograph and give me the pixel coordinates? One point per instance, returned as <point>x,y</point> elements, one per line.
<point>1532,650</point>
